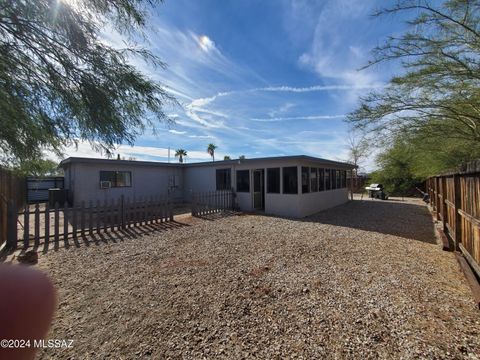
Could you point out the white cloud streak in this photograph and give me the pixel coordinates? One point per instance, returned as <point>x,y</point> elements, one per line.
<point>306,117</point>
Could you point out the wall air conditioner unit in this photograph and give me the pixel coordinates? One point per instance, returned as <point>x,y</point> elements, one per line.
<point>105,184</point>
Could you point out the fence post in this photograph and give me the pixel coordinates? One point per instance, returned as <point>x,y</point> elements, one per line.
<point>122,211</point>
<point>458,203</point>
<point>444,204</point>
<point>193,204</point>
<point>26,227</point>
<point>437,198</point>
<point>170,208</point>
<point>12,225</point>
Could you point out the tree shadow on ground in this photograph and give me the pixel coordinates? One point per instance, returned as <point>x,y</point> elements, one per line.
<point>408,220</point>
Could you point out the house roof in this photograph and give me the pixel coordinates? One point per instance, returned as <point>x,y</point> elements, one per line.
<point>319,161</point>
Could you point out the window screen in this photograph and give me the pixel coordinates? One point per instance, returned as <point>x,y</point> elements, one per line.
<point>117,178</point>
<point>223,179</point>
<point>305,179</point>
<point>321,179</point>
<point>243,180</point>
<point>328,185</point>
<point>313,180</point>
<point>273,181</point>
<point>290,180</point>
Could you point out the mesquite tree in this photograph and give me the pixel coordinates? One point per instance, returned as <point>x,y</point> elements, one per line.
<point>61,82</point>
<point>438,93</point>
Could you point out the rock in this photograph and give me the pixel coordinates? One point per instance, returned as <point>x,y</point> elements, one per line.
<point>28,258</point>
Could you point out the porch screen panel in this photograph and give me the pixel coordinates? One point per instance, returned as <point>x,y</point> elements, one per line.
<point>290,180</point>
<point>305,179</point>
<point>273,181</point>
<point>243,180</point>
<point>328,185</point>
<point>321,179</point>
<point>223,177</point>
<point>313,180</point>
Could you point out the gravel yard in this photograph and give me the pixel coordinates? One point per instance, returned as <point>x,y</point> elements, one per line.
<point>363,280</point>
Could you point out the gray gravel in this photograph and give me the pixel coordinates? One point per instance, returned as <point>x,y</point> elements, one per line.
<point>364,280</point>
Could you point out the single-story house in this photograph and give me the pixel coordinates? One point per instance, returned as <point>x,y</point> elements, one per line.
<point>294,186</point>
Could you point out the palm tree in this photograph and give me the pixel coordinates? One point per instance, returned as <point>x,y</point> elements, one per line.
<point>211,150</point>
<point>180,153</point>
<point>226,157</point>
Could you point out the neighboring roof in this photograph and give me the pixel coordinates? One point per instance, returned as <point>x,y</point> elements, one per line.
<point>206,163</point>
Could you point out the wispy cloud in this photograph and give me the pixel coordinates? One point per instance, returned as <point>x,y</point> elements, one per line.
<point>305,117</point>
<point>177,132</point>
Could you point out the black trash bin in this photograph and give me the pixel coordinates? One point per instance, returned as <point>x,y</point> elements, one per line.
<point>57,195</point>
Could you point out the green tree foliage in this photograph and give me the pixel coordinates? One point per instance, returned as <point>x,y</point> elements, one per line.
<point>38,168</point>
<point>226,157</point>
<point>60,82</point>
<point>397,172</point>
<point>435,103</point>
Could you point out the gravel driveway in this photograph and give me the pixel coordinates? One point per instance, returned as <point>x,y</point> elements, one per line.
<point>363,280</point>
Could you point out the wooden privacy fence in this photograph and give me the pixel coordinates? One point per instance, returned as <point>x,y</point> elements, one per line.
<point>455,200</point>
<point>40,222</point>
<point>212,202</point>
<point>12,188</point>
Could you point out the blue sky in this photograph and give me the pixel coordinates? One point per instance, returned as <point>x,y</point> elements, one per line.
<point>260,78</point>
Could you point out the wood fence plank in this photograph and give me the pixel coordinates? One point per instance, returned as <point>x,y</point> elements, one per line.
<point>37,224</point>
<point>57,224</point>
<point>82,218</point>
<point>74,221</point>
<point>26,227</point>
<point>65,223</point>
<point>47,227</point>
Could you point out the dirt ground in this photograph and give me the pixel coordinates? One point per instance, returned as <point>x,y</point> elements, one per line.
<point>361,281</point>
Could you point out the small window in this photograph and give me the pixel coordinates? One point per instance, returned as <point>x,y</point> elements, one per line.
<point>313,180</point>
<point>290,180</point>
<point>328,185</point>
<point>243,180</point>
<point>224,179</point>
<point>273,181</point>
<point>117,178</point>
<point>305,180</point>
<point>321,179</point>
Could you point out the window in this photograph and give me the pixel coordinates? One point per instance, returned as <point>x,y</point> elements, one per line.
<point>333,178</point>
<point>273,181</point>
<point>328,185</point>
<point>343,174</point>
<point>224,179</point>
<point>243,180</point>
<point>321,179</point>
<point>313,180</point>
<point>117,178</point>
<point>290,180</point>
<point>305,179</point>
